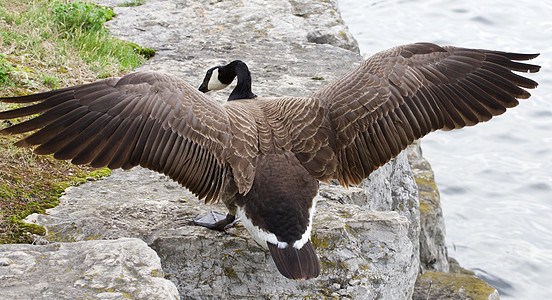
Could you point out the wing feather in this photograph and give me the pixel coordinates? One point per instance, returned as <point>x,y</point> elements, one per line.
<point>105,155</point>
<point>128,143</point>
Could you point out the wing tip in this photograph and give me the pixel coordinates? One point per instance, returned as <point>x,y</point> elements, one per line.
<point>512,60</point>
<point>35,97</point>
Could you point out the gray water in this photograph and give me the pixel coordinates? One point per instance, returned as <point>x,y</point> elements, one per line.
<point>495,178</point>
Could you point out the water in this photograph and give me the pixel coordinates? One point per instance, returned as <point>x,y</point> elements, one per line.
<point>495,178</point>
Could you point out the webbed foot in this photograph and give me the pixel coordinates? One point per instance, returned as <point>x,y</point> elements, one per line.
<point>216,221</point>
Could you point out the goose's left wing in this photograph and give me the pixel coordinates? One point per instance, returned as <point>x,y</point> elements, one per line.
<point>148,119</point>
<point>402,94</point>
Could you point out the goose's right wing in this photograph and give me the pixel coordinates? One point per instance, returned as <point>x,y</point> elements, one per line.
<point>402,94</point>
<point>148,119</point>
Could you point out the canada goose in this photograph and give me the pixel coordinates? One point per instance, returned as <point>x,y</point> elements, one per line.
<point>264,158</point>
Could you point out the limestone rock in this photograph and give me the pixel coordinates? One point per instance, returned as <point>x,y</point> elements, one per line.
<point>117,269</point>
<point>326,25</point>
<point>359,259</point>
<point>456,286</point>
<point>270,36</point>
<point>364,254</point>
<point>433,251</point>
<point>329,37</point>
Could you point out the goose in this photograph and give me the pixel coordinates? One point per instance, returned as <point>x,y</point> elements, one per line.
<point>264,158</point>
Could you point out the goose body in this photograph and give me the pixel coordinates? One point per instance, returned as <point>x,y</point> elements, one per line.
<point>264,157</point>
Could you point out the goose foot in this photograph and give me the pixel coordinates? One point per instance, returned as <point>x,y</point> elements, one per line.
<point>216,221</point>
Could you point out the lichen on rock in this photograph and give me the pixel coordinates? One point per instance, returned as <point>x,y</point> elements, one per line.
<point>439,285</point>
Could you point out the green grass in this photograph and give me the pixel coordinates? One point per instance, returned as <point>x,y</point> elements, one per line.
<point>132,3</point>
<point>44,38</point>
<point>45,45</point>
<point>5,70</point>
<point>80,16</point>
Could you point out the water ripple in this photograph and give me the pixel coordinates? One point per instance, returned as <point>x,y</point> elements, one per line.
<point>482,20</point>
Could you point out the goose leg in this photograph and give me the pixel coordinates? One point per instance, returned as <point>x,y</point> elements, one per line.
<point>216,221</point>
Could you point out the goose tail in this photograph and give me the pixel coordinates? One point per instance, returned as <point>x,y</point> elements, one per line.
<point>297,264</point>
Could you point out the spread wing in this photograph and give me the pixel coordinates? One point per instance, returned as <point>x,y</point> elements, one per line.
<point>402,94</point>
<point>148,119</point>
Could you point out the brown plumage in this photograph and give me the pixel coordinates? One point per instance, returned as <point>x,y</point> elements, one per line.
<point>344,131</point>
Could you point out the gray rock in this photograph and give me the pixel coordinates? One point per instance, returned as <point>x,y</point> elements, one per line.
<point>360,250</point>
<point>433,251</point>
<point>117,269</point>
<point>325,25</point>
<point>351,267</point>
<point>455,286</point>
<point>191,36</point>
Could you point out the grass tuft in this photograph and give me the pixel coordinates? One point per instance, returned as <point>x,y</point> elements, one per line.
<point>84,16</point>
<point>5,70</point>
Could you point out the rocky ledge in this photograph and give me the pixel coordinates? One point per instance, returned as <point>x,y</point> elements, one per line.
<point>368,238</point>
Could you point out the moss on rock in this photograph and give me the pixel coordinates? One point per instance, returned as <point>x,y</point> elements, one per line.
<point>437,285</point>
<point>145,52</point>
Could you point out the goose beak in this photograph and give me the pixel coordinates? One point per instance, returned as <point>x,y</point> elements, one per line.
<point>204,87</point>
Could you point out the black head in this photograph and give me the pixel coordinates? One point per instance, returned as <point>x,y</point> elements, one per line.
<point>219,77</point>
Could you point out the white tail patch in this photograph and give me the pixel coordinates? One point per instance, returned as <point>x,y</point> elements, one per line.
<point>262,236</point>
<point>306,236</point>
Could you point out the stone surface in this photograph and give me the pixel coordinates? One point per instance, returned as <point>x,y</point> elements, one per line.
<point>433,251</point>
<point>351,267</point>
<point>270,36</point>
<point>455,286</point>
<point>117,269</point>
<point>364,254</point>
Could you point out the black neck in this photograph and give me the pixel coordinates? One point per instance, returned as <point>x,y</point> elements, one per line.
<point>243,88</point>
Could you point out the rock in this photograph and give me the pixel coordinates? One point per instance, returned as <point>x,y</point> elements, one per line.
<point>366,250</point>
<point>360,250</point>
<point>325,23</point>
<point>433,251</point>
<point>329,37</point>
<point>392,188</point>
<point>116,269</point>
<point>269,36</point>
<point>350,266</point>
<point>438,285</point>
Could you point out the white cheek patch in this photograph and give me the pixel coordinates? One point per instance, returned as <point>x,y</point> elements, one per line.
<point>214,83</point>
